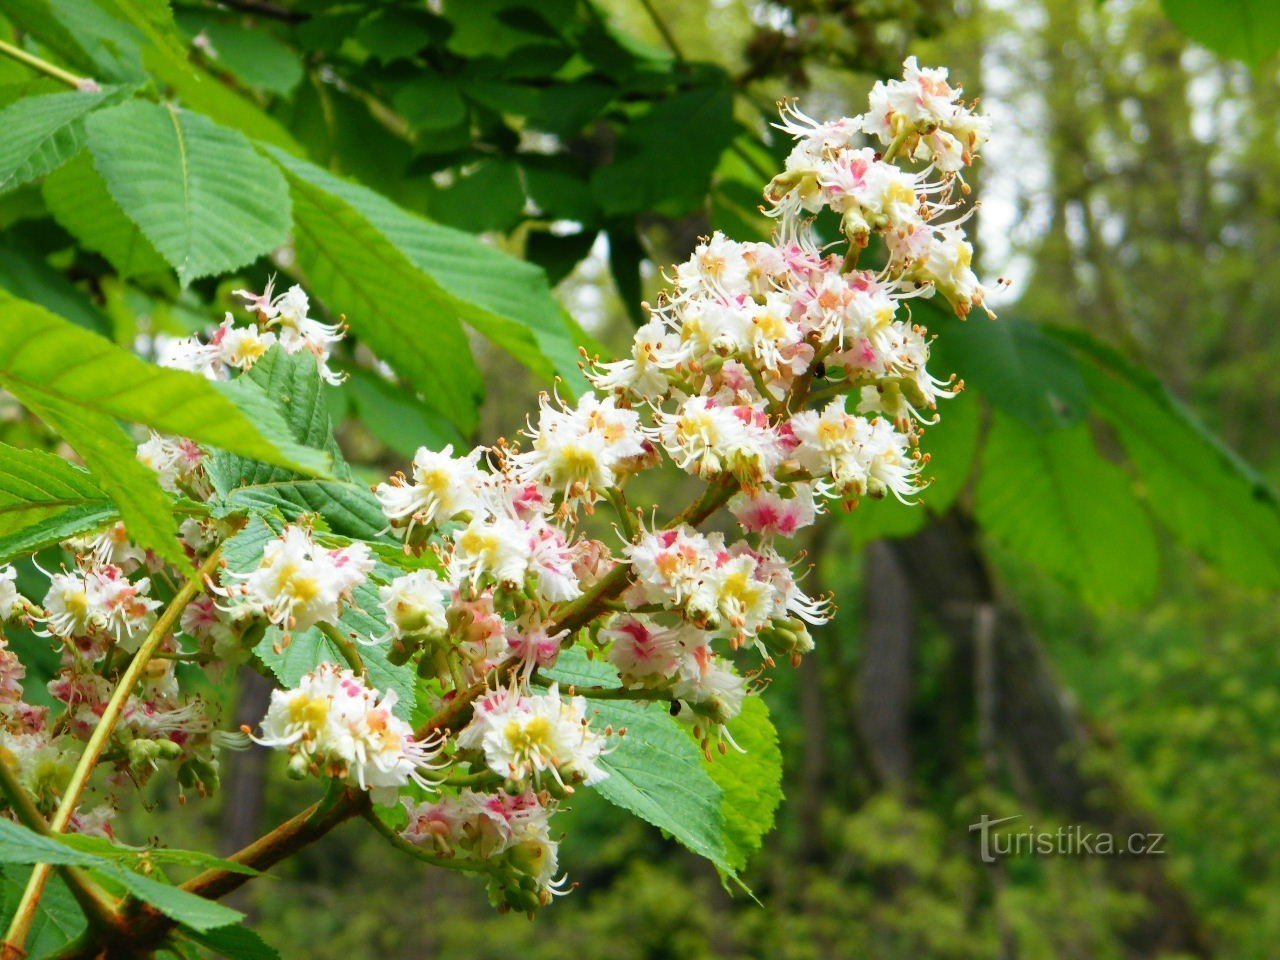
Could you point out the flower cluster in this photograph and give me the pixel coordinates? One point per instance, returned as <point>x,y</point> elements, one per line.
<point>335,723</point>
<point>779,377</point>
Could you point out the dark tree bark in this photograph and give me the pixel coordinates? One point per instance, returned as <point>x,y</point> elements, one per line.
<point>882,698</point>
<point>245,781</point>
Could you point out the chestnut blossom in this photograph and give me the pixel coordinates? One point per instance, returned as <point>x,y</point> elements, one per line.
<point>443,488</point>
<point>525,737</point>
<point>298,583</point>
<point>334,721</point>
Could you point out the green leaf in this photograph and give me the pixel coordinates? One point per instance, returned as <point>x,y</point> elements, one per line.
<point>21,845</point>
<point>187,908</point>
<point>78,198</point>
<point>751,781</point>
<point>46,359</point>
<point>391,304</point>
<point>1022,371</point>
<point>1202,492</point>
<point>123,853</point>
<point>666,155</point>
<point>656,771</point>
<point>1053,499</point>
<point>58,919</point>
<point>199,192</point>
<point>42,133</point>
<point>44,499</point>
<point>236,943</point>
<point>1247,30</point>
<point>457,276</point>
<point>292,386</point>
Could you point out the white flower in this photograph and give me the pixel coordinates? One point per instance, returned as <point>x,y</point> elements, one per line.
<point>642,650</point>
<point>524,737</point>
<point>671,565</point>
<point>239,347</point>
<point>744,600</point>
<point>444,488</point>
<point>499,549</point>
<point>770,513</point>
<point>707,438</point>
<point>924,102</point>
<point>176,460</point>
<point>334,720</point>
<point>112,546</point>
<point>11,602</point>
<point>100,600</point>
<point>415,604</point>
<point>831,446</point>
<point>654,352</point>
<point>947,264</point>
<point>297,330</point>
<point>298,583</point>
<point>578,451</point>
<point>190,354</point>
<point>709,685</point>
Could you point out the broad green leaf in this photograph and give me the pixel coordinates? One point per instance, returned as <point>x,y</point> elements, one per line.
<point>293,386</point>
<point>199,191</point>
<point>46,359</point>
<point>1207,497</point>
<point>1017,367</point>
<point>392,305</point>
<point>44,499</point>
<point>78,198</point>
<point>236,942</point>
<point>42,133</point>
<point>656,771</point>
<point>154,21</point>
<point>751,780</point>
<point>187,908</point>
<point>666,155</point>
<point>504,298</point>
<point>1052,498</point>
<point>1247,30</point>
<point>58,920</point>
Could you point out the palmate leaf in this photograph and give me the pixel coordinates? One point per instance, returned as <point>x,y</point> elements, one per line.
<point>58,919</point>
<point>1052,498</point>
<point>44,499</point>
<point>43,132</point>
<point>656,771</point>
<point>1207,497</point>
<point>292,384</point>
<point>198,191</point>
<point>505,299</point>
<point>237,942</point>
<point>1247,30</point>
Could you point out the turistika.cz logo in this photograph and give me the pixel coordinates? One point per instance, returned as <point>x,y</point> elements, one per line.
<point>1066,841</point>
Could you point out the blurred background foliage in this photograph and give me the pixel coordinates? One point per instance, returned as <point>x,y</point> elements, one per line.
<point>1079,625</point>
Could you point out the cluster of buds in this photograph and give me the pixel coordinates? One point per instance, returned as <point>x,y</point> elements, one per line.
<point>781,375</point>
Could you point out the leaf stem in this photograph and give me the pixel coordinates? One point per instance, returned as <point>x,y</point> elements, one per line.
<point>346,645</point>
<point>20,927</point>
<point>404,846</point>
<point>668,37</point>
<point>83,84</point>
